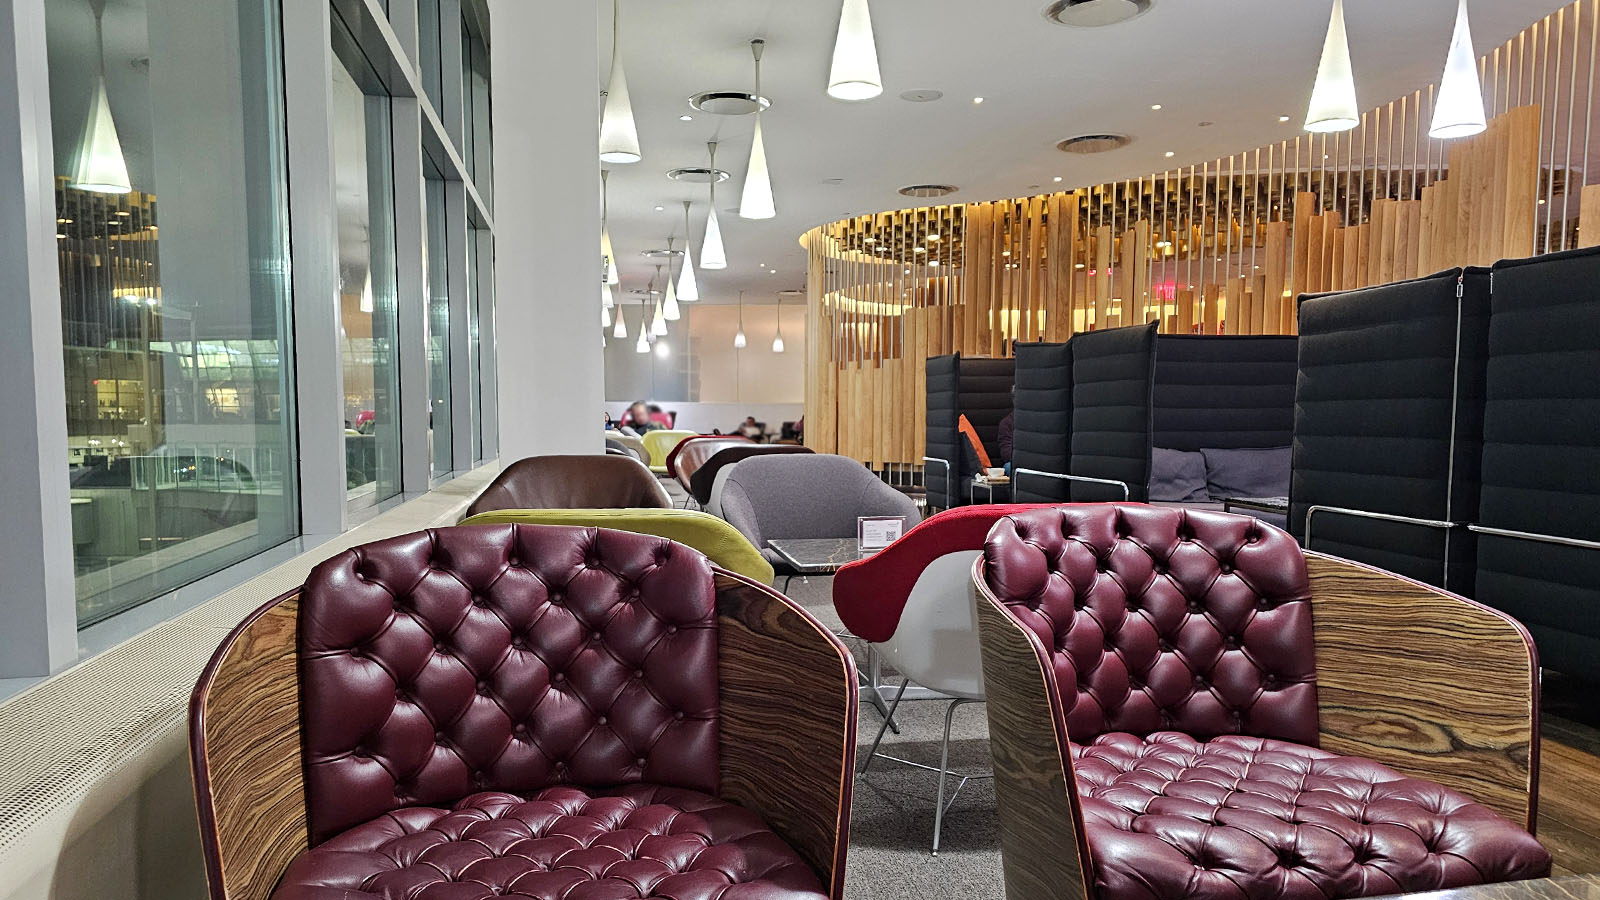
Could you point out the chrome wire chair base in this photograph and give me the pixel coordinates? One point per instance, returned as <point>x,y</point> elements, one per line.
<point>941,805</point>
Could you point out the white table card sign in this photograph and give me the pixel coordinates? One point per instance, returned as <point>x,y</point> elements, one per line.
<point>873,533</point>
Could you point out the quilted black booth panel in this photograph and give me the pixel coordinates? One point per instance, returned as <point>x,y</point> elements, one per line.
<point>1042,424</point>
<point>1541,455</point>
<point>979,389</point>
<point>1379,391</point>
<point>1227,392</point>
<point>1113,380</point>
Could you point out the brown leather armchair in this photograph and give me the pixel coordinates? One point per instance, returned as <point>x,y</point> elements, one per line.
<point>1183,704</point>
<point>531,711</point>
<point>572,482</point>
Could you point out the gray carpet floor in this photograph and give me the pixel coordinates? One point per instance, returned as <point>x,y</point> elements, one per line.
<point>891,829</point>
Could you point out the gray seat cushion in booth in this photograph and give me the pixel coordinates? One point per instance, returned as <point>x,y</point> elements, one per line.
<point>806,496</point>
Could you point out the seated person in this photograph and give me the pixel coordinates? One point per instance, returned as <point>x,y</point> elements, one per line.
<point>750,429</point>
<point>659,416</point>
<point>636,421</point>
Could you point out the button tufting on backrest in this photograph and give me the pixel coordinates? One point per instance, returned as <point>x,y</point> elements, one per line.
<point>433,653</point>
<point>1141,604</point>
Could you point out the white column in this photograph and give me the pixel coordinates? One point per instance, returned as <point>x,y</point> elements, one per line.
<point>37,602</point>
<point>547,173</point>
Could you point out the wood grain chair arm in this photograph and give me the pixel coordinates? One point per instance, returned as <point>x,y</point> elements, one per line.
<point>1043,852</point>
<point>1428,683</point>
<point>788,709</point>
<point>244,743</point>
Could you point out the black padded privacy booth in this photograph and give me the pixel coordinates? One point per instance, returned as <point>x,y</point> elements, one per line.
<point>1541,455</point>
<point>979,389</point>
<point>1042,420</point>
<point>1098,405</point>
<point>1113,387</point>
<point>1381,387</point>
<point>1226,392</point>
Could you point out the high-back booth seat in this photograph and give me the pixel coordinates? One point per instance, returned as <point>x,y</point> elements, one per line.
<point>1183,704</point>
<point>525,711</point>
<point>572,482</point>
<point>660,444</point>
<point>628,442</point>
<point>719,541</point>
<point>802,496</point>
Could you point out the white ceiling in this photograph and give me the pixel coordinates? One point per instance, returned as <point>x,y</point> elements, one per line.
<point>1239,64</point>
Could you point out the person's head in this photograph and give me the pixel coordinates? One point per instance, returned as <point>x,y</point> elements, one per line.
<point>638,414</point>
<point>749,420</point>
<point>654,409</point>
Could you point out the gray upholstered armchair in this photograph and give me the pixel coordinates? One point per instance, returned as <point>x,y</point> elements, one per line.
<point>804,496</point>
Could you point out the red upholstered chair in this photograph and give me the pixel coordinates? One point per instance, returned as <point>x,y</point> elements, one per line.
<point>524,711</point>
<point>1183,704</point>
<point>913,604</point>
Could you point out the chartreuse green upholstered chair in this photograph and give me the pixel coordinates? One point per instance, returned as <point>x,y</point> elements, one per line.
<point>718,540</point>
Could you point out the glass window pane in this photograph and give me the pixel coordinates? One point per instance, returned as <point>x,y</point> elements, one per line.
<point>364,172</point>
<point>428,51</point>
<point>173,250</point>
<point>475,392</point>
<point>437,262</point>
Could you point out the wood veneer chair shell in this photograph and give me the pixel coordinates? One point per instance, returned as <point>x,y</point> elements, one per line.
<point>787,700</point>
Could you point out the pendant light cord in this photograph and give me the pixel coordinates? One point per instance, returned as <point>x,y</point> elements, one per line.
<point>712,145</point>
<point>99,7</point>
<point>756,47</point>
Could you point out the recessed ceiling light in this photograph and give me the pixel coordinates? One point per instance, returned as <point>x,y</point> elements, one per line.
<point>933,236</point>
<point>660,209</point>
<point>1283,118</point>
<point>686,118</point>
<point>1155,106</point>
<point>772,271</point>
<point>977,99</point>
<point>1170,154</point>
<point>1094,13</point>
<point>1078,266</point>
<point>933,262</point>
<point>1058,179</point>
<point>920,250</point>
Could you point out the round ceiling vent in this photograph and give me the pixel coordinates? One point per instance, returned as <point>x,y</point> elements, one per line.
<point>644,293</point>
<point>1094,143</point>
<point>661,253</point>
<point>922,96</point>
<point>1095,13</point>
<point>928,190</point>
<point>728,103</point>
<point>789,295</point>
<point>698,175</point>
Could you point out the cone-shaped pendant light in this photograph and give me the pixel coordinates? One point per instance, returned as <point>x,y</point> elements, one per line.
<point>855,74</point>
<point>367,303</point>
<point>757,200</point>
<point>1333,98</point>
<point>643,345</point>
<point>1459,112</point>
<point>738,337</point>
<point>621,331</point>
<point>688,286</point>
<point>669,309</point>
<point>100,166</point>
<point>619,137</point>
<point>777,342</point>
<point>658,325</point>
<point>605,317</point>
<point>607,300</point>
<point>712,254</point>
<point>608,256</point>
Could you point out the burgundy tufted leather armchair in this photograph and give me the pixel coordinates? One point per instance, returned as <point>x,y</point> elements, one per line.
<point>528,712</point>
<point>1189,706</point>
<point>572,482</point>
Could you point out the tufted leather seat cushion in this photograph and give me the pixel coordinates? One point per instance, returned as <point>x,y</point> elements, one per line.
<point>505,657</point>
<point>560,843</point>
<point>1168,816</point>
<point>1164,619</point>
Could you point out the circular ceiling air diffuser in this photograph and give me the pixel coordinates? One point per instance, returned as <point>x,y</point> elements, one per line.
<point>928,190</point>
<point>728,103</point>
<point>698,175</point>
<point>1095,13</point>
<point>1094,143</point>
<point>661,253</point>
